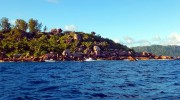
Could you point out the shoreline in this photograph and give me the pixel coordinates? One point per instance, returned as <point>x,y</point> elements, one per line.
<point>129,58</point>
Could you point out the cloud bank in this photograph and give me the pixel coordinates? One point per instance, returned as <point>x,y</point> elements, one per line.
<point>171,39</point>
<point>131,42</point>
<point>174,39</point>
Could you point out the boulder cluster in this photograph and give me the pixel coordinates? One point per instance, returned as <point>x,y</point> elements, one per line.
<point>96,53</point>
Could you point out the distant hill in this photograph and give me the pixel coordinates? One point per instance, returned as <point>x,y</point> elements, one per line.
<point>160,50</point>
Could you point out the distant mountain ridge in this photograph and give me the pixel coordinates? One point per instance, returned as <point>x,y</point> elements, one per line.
<point>170,50</point>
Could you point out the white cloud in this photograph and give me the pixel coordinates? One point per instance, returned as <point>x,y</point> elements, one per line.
<point>129,40</point>
<point>116,40</point>
<point>156,38</point>
<point>143,43</point>
<point>173,39</point>
<point>170,39</point>
<point>70,28</point>
<point>53,1</point>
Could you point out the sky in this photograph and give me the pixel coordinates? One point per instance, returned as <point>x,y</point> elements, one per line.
<point>129,22</point>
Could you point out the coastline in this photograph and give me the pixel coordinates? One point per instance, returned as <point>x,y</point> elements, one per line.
<point>53,57</point>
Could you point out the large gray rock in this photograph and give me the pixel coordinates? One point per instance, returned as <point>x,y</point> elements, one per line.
<point>78,54</point>
<point>123,53</point>
<point>66,53</point>
<point>97,50</point>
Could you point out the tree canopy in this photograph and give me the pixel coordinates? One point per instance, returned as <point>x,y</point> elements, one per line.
<point>5,24</point>
<point>16,40</point>
<point>21,24</point>
<point>34,26</point>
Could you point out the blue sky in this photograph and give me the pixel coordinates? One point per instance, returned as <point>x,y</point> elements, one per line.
<point>130,22</point>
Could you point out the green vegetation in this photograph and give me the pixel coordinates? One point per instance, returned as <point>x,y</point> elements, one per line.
<point>21,25</point>
<point>5,25</point>
<point>15,40</point>
<point>160,50</point>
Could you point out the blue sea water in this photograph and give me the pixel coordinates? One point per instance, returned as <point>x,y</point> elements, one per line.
<point>104,80</point>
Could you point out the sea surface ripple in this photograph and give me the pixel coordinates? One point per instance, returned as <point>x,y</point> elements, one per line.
<point>106,80</point>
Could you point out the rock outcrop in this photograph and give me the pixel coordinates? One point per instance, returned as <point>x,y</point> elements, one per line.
<point>66,53</point>
<point>97,50</point>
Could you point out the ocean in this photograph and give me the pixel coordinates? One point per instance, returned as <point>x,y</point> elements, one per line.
<point>104,80</point>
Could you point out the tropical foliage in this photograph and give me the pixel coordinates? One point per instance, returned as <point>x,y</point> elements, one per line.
<point>17,40</point>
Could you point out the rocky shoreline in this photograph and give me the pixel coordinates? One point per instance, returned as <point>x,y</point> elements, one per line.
<point>18,45</point>
<point>95,54</point>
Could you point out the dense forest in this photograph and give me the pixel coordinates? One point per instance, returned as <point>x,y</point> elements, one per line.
<point>160,50</point>
<point>32,39</point>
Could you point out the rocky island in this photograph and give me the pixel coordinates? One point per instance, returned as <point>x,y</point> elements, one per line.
<point>16,44</point>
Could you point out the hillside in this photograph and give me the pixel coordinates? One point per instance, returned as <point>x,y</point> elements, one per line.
<point>37,44</point>
<point>160,50</point>
<point>17,41</point>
